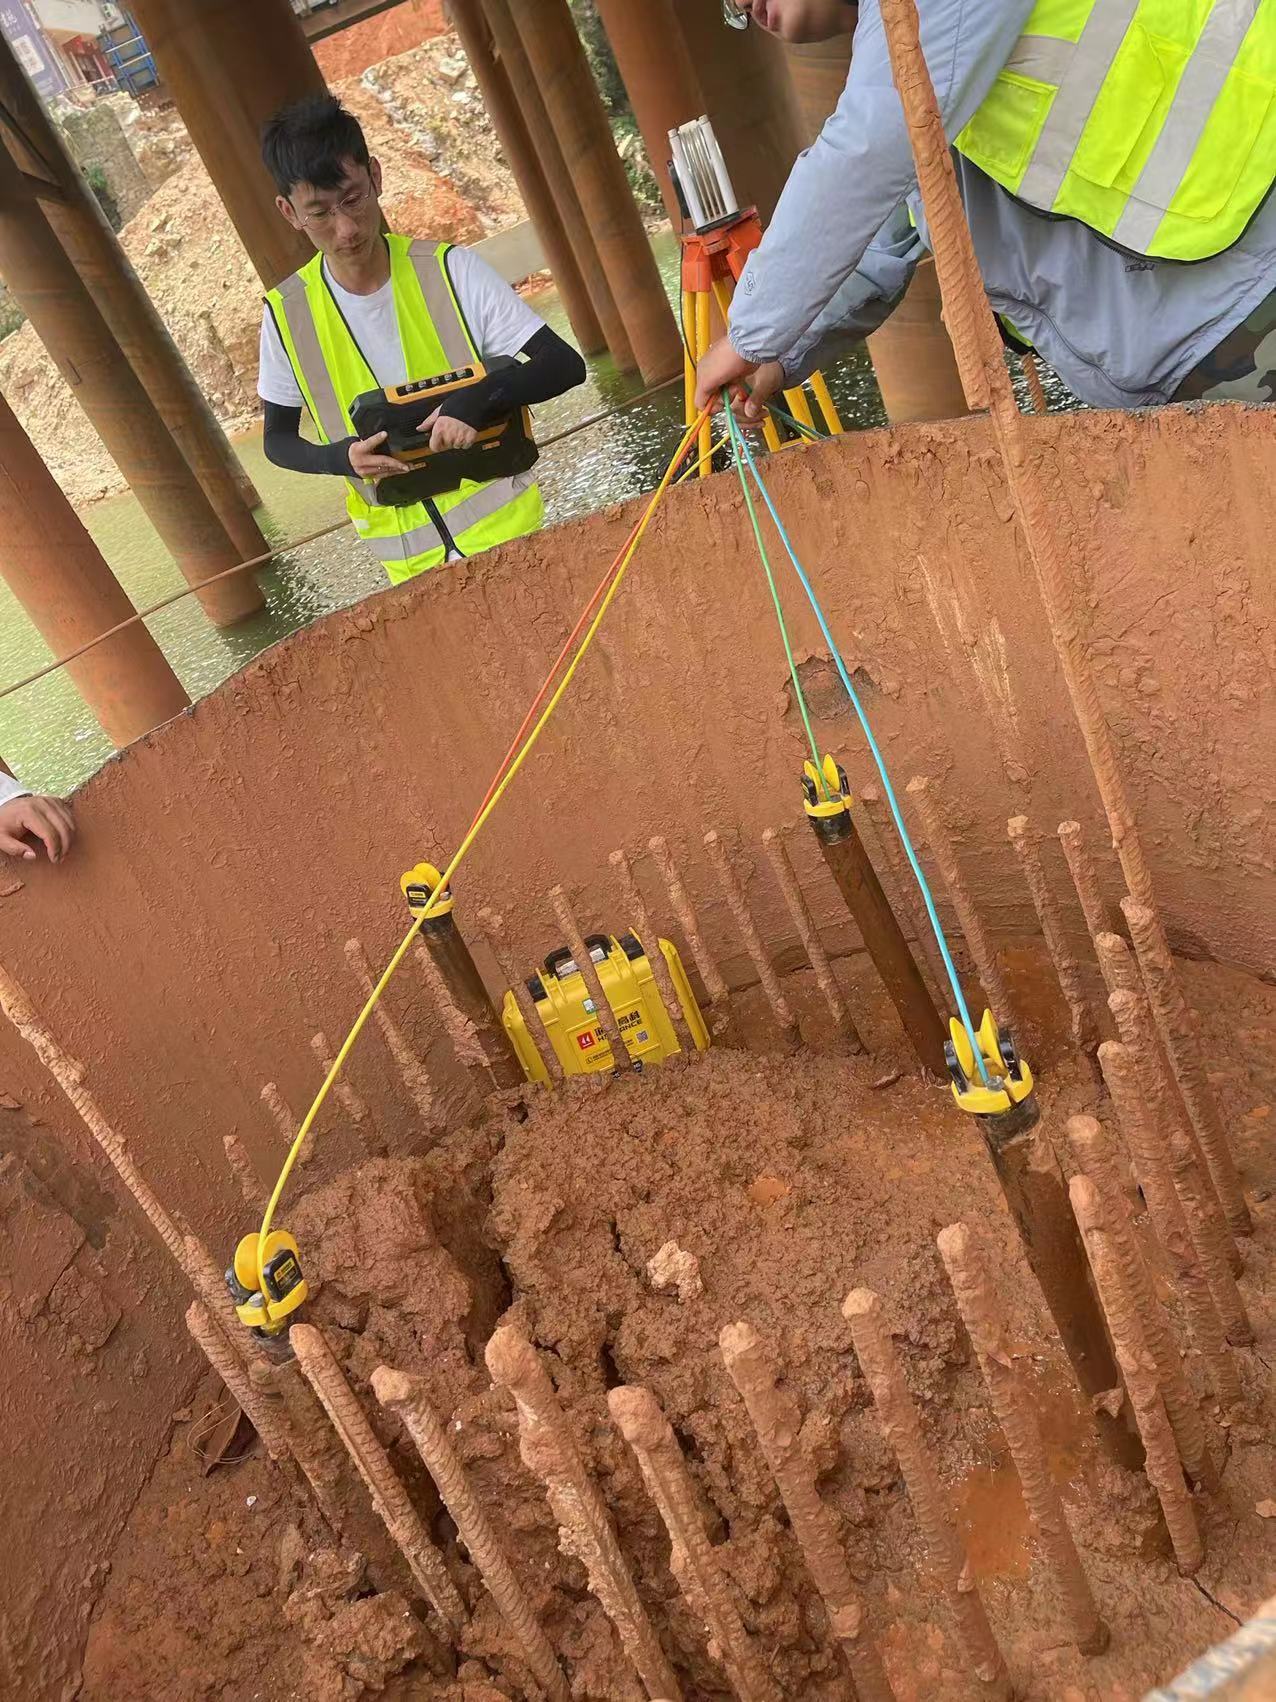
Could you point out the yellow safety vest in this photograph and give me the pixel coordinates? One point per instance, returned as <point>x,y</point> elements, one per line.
<point>1151,121</point>
<point>331,371</point>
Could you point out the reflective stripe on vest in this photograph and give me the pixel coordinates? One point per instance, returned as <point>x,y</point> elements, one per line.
<point>1151,121</point>
<point>331,372</point>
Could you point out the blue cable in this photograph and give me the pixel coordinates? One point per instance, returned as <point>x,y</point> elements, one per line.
<point>738,437</point>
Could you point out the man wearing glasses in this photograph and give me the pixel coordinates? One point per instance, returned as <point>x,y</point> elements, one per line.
<point>1115,159</point>
<point>375,309</point>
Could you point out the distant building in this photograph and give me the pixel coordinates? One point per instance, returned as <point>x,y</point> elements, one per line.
<point>68,46</point>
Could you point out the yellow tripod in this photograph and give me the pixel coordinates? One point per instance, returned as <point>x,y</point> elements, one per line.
<point>712,260</point>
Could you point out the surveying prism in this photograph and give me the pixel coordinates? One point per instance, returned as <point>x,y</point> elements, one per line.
<point>501,449</point>
<point>714,253</point>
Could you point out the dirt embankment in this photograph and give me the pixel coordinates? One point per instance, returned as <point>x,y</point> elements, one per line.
<point>444,177</point>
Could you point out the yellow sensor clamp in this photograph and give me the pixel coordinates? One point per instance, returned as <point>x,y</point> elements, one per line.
<point>825,790</point>
<point>418,888</point>
<point>1010,1080</point>
<point>285,1287</point>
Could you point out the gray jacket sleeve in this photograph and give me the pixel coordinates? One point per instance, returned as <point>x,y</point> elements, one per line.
<point>868,297</point>
<point>859,170</point>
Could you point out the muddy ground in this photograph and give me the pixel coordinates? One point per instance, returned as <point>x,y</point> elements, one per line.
<point>789,1180</point>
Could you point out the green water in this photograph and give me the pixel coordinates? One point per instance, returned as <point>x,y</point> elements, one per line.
<point>48,737</point>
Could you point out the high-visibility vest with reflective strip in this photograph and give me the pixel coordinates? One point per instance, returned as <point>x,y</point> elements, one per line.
<point>331,371</point>
<point>1151,121</point>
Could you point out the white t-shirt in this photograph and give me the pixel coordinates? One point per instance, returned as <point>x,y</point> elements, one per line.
<point>500,322</point>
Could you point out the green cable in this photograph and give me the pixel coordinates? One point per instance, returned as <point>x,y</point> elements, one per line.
<point>775,595</point>
<point>812,433</point>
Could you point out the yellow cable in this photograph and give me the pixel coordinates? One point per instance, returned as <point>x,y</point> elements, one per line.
<point>347,1046</point>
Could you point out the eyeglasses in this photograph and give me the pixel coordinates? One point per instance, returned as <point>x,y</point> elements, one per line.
<point>349,204</point>
<point>736,14</point>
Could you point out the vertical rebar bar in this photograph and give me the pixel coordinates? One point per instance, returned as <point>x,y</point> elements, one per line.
<point>684,910</point>
<point>315,1444</point>
<point>1034,481</point>
<point>981,948</point>
<point>1163,1466</point>
<point>642,924</point>
<point>1013,1406</point>
<point>286,1121</point>
<point>251,1189</point>
<point>416,1081</point>
<point>1205,1225</point>
<point>905,895</point>
<point>583,958</point>
<point>1032,378</point>
<point>738,905</point>
<point>1176,1024</point>
<point>495,932</point>
<point>901,1426</point>
<point>1084,878</point>
<point>786,877</point>
<point>406,1396</point>
<point>585,1526</point>
<point>1085,1028</point>
<point>258,1408</point>
<point>1146,1140</point>
<point>347,1098</point>
<point>388,1495</point>
<point>1121,973</point>
<point>1092,1149</point>
<point>777,1421</point>
<point>648,1432</point>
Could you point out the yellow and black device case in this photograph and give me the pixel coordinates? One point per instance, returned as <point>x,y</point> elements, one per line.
<point>568,1016</point>
<point>502,449</point>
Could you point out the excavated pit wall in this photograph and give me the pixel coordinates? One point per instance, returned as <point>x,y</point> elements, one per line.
<point>193,945</point>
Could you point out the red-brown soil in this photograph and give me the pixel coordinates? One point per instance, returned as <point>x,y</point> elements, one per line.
<point>790,1180</point>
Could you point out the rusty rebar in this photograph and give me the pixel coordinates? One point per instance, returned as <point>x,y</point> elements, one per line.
<point>496,934</point>
<point>902,1429</point>
<point>693,1563</point>
<point>251,1188</point>
<point>285,1121</point>
<point>1208,1232</point>
<point>777,1421</point>
<point>1146,1141</point>
<point>1032,378</point>
<point>1045,519</point>
<point>257,1407</point>
<point>640,917</point>
<point>905,894</point>
<point>1084,879</point>
<point>1093,1150</point>
<point>412,1071</point>
<point>585,1527</point>
<point>1162,1464</point>
<point>684,910</point>
<point>388,1495</point>
<point>346,1096</point>
<point>981,948</point>
<point>69,1073</point>
<point>1176,1024</point>
<point>786,878</point>
<point>738,904</point>
<point>1121,973</point>
<point>1013,1406</point>
<point>584,961</point>
<point>1085,1028</point>
<point>315,1445</point>
<point>406,1396</point>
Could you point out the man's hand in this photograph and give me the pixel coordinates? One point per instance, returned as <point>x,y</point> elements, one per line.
<point>720,367</point>
<point>47,820</point>
<point>367,462</point>
<point>446,432</point>
<point>750,410</point>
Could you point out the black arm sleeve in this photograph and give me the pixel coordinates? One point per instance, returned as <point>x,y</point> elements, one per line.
<point>551,366</point>
<point>285,446</point>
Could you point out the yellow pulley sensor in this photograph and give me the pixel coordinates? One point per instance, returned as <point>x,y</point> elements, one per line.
<point>267,1310</point>
<point>1010,1084</point>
